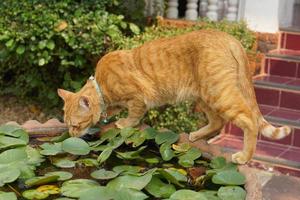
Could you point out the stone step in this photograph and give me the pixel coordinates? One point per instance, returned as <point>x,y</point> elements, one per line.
<point>277,91</point>
<point>282,63</point>
<point>289,38</point>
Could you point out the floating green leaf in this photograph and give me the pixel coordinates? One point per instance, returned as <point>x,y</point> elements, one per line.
<point>51,149</point>
<point>63,176</point>
<point>150,133</point>
<point>187,195</point>
<point>104,155</point>
<point>218,163</point>
<point>9,142</point>
<point>232,193</point>
<point>127,132</point>
<point>229,178</point>
<point>127,169</point>
<point>159,189</point>
<point>76,146</point>
<point>187,159</point>
<point>137,139</point>
<point>166,151</point>
<point>64,163</point>
<point>41,180</point>
<point>131,181</point>
<point>61,137</point>
<point>167,136</point>
<point>130,155</point>
<point>7,196</point>
<point>103,174</point>
<point>8,175</point>
<point>34,194</point>
<point>74,188</point>
<point>169,177</point>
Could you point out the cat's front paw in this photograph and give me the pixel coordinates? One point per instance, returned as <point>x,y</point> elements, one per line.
<point>240,158</point>
<point>125,122</point>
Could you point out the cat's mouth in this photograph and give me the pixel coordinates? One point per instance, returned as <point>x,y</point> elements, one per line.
<point>78,133</point>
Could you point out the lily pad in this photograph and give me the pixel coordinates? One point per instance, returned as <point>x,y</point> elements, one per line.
<point>63,176</point>
<point>166,151</point>
<point>41,180</point>
<point>50,189</point>
<point>150,133</point>
<point>61,137</point>
<point>34,194</point>
<point>167,136</point>
<point>76,146</point>
<point>181,148</point>
<point>8,175</point>
<point>7,196</point>
<point>131,181</point>
<point>229,178</point>
<point>127,169</point>
<point>51,149</point>
<point>187,195</point>
<point>218,163</point>
<point>127,132</point>
<point>110,134</point>
<point>64,163</point>
<point>9,142</point>
<point>232,193</point>
<point>105,155</point>
<point>88,162</point>
<point>103,174</point>
<point>137,139</point>
<point>130,155</point>
<point>187,159</point>
<point>159,189</point>
<point>74,188</point>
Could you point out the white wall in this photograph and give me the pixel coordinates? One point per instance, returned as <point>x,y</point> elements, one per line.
<point>262,15</point>
<point>268,15</point>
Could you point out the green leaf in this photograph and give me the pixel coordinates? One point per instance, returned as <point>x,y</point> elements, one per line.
<point>177,174</point>
<point>218,163</point>
<point>131,181</point>
<point>8,175</point>
<point>116,142</point>
<point>187,159</point>
<point>63,176</point>
<point>34,194</point>
<point>229,178</point>
<point>127,169</point>
<point>187,195</point>
<point>7,196</point>
<point>150,133</point>
<point>103,174</point>
<point>210,195</point>
<point>74,188</point>
<point>8,142</point>
<point>181,148</point>
<point>110,134</point>
<point>127,132</point>
<point>88,162</point>
<point>166,152</point>
<point>137,139</point>
<point>10,43</point>
<point>51,149</point>
<point>42,44</point>
<point>13,155</point>
<point>9,129</point>
<point>134,28</point>
<point>129,194</point>
<point>61,137</point>
<point>50,44</point>
<point>42,61</point>
<point>75,146</point>
<point>64,163</point>
<point>160,189</point>
<point>169,177</point>
<point>104,155</point>
<point>130,155</point>
<point>41,180</point>
<point>232,193</point>
<point>168,136</point>
<point>20,50</point>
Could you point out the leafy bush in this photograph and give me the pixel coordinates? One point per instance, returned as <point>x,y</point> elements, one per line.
<point>49,44</point>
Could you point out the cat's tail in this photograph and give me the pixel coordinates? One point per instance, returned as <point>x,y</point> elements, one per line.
<point>269,131</point>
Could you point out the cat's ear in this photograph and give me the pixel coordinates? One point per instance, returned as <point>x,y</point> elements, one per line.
<point>64,94</point>
<point>84,102</point>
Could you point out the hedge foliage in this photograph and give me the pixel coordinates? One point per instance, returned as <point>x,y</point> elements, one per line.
<point>49,44</point>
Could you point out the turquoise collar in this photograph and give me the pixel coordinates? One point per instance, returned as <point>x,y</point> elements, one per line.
<point>101,96</point>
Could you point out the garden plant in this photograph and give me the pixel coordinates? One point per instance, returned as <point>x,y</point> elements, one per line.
<point>127,164</point>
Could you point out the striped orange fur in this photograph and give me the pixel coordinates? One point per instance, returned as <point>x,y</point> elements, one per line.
<point>209,67</point>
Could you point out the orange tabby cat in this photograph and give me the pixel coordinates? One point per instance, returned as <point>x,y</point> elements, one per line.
<point>209,67</point>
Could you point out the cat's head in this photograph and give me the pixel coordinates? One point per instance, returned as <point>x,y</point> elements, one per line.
<point>81,109</point>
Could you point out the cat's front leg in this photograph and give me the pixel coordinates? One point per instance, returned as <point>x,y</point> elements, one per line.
<point>136,110</point>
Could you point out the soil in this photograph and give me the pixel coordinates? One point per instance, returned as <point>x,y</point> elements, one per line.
<point>13,109</point>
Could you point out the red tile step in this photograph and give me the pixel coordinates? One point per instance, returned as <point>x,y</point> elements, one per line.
<point>283,63</point>
<point>283,92</point>
<point>290,38</point>
<point>285,159</point>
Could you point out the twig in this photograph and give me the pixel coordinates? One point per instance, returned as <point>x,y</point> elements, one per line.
<point>13,189</point>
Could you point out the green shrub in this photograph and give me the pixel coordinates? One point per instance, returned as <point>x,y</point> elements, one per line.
<point>49,44</point>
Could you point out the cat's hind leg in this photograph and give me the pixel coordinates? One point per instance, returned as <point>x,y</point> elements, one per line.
<point>136,110</point>
<point>215,123</point>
